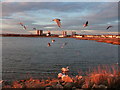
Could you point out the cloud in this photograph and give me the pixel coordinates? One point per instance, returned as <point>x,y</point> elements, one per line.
<point>73,15</point>
<point>49,27</point>
<point>61,1</point>
<point>15,7</point>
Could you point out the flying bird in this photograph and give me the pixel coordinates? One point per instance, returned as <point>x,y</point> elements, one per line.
<point>49,44</point>
<point>34,28</point>
<point>86,24</point>
<point>21,24</point>
<point>108,27</point>
<point>24,27</point>
<point>64,44</point>
<point>53,41</point>
<point>58,22</point>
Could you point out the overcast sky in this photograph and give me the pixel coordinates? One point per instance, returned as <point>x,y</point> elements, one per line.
<point>72,14</point>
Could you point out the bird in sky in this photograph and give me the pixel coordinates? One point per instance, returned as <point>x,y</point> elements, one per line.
<point>108,27</point>
<point>58,22</point>
<point>86,24</point>
<point>24,27</point>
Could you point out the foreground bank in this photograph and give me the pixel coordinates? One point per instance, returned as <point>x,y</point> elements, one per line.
<point>101,77</point>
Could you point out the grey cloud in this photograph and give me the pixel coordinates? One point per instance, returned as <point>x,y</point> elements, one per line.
<point>10,7</point>
<point>98,13</point>
<point>105,13</point>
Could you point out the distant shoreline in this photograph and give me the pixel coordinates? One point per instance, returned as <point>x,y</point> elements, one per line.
<point>115,41</point>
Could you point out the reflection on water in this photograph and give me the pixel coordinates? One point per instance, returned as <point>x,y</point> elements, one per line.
<point>32,57</point>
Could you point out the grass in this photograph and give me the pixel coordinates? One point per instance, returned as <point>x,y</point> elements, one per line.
<point>103,76</point>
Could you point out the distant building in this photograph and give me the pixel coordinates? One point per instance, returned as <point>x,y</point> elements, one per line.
<point>103,36</point>
<point>37,32</point>
<point>64,33</point>
<point>89,35</point>
<point>117,36</point>
<point>73,33</point>
<point>78,36</point>
<point>40,32</point>
<point>48,34</point>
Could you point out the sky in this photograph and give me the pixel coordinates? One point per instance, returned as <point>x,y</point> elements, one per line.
<point>73,15</point>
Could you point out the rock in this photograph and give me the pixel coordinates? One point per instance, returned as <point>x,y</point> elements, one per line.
<point>95,86</point>
<point>73,88</point>
<point>102,86</point>
<point>6,83</point>
<point>79,77</point>
<point>7,86</point>
<point>58,86</point>
<point>84,86</point>
<point>48,88</point>
<point>66,78</point>
<point>68,85</point>
<point>53,83</point>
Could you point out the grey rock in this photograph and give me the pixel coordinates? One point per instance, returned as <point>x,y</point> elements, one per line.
<point>73,88</point>
<point>102,86</point>
<point>48,88</point>
<point>68,85</point>
<point>58,86</point>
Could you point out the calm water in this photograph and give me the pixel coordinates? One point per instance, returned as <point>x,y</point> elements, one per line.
<point>24,57</point>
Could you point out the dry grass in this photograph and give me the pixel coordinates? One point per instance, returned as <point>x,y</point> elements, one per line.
<point>104,76</point>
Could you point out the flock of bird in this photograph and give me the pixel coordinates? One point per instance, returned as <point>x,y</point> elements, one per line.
<point>62,46</point>
<point>59,25</point>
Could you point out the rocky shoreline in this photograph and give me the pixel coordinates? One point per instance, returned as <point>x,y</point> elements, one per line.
<point>99,78</point>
